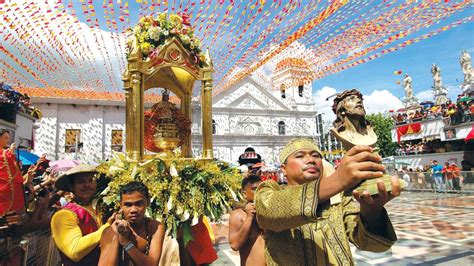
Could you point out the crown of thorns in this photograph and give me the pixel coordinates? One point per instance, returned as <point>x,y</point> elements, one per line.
<point>341,96</point>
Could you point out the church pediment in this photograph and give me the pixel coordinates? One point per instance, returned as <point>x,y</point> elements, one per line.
<point>248,95</point>
<point>247,101</point>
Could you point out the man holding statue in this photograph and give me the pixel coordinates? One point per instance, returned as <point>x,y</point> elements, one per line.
<point>312,220</point>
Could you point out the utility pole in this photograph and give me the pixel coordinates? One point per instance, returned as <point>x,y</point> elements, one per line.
<point>329,147</point>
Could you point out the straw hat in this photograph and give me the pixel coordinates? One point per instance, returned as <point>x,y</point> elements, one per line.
<point>63,182</point>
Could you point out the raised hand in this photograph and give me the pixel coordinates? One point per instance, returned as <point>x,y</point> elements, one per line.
<point>124,232</point>
<point>250,209</point>
<point>359,163</point>
<point>370,206</point>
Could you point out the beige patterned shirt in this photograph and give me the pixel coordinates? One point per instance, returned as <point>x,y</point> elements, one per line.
<point>299,231</point>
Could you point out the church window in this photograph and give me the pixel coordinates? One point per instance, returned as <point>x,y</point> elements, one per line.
<point>213,127</point>
<point>73,140</point>
<point>282,89</point>
<point>117,140</point>
<point>281,128</point>
<point>300,90</point>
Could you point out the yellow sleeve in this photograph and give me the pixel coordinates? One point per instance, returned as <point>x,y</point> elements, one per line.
<point>206,222</point>
<point>360,236</point>
<point>68,236</point>
<point>280,208</point>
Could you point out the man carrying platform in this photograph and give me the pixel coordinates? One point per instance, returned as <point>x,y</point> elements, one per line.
<point>244,234</point>
<point>311,221</point>
<point>135,239</point>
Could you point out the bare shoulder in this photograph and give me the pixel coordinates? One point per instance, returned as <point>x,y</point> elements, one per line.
<point>237,214</point>
<point>107,233</point>
<point>156,227</point>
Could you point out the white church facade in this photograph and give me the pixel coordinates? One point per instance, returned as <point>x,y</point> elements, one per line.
<point>254,113</point>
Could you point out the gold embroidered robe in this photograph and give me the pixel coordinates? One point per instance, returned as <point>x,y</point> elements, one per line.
<point>300,231</point>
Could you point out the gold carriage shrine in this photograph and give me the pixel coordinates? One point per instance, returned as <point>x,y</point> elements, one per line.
<point>165,127</point>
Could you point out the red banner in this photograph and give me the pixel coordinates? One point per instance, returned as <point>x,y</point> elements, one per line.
<point>408,129</point>
<point>470,135</point>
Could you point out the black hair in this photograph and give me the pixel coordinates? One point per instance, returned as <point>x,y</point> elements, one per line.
<point>134,186</point>
<point>251,179</point>
<point>3,131</point>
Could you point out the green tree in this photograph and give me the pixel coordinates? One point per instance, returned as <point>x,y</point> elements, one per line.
<point>382,127</point>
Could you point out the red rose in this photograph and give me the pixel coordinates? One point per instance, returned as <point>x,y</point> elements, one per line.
<point>186,20</point>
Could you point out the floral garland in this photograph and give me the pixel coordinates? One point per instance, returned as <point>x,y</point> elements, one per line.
<point>181,191</point>
<point>151,33</point>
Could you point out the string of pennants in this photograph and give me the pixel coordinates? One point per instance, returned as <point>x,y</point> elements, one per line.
<point>72,45</point>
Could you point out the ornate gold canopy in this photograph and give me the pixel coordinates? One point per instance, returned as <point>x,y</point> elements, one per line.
<point>173,68</point>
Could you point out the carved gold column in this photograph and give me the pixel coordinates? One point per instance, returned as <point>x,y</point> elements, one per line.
<point>128,116</point>
<point>133,82</point>
<point>138,117</point>
<point>187,110</point>
<point>206,113</point>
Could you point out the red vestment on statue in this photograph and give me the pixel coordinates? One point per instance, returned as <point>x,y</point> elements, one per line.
<point>11,184</point>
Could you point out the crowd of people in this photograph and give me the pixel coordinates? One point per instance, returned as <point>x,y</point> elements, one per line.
<point>428,146</point>
<point>277,225</point>
<point>39,199</point>
<point>438,177</point>
<point>252,163</point>
<point>462,111</point>
<point>258,227</point>
<point>19,100</point>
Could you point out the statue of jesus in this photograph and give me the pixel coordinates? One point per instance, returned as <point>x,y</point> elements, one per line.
<point>350,127</point>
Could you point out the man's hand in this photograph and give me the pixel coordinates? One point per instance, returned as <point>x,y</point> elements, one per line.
<point>111,219</point>
<point>358,164</point>
<point>31,173</point>
<point>41,160</point>
<point>371,206</point>
<point>124,234</point>
<point>250,210</point>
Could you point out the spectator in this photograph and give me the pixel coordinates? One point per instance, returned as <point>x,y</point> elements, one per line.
<point>438,176</point>
<point>448,176</point>
<point>420,178</point>
<point>466,164</point>
<point>471,110</point>
<point>77,228</point>
<point>406,177</point>
<point>454,174</point>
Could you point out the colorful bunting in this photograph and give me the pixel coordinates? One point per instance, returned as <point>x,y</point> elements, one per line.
<point>81,44</point>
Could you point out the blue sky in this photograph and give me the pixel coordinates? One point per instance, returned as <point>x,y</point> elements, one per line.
<point>443,49</point>
<point>416,59</point>
<point>229,43</point>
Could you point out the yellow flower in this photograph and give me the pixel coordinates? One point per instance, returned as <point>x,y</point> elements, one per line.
<point>146,47</point>
<point>162,17</point>
<point>176,20</point>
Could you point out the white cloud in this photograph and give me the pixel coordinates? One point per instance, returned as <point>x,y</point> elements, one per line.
<point>323,106</point>
<point>381,102</point>
<point>354,51</point>
<point>453,91</point>
<point>426,95</point>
